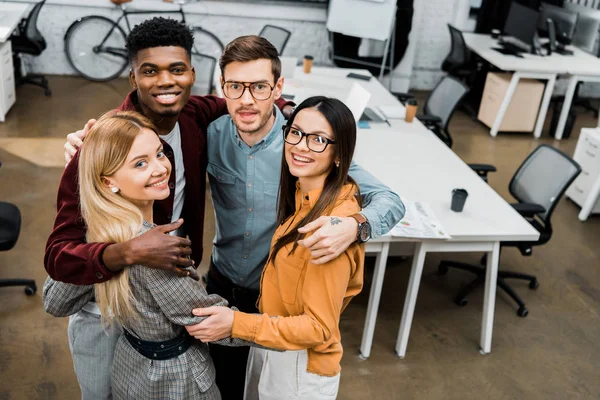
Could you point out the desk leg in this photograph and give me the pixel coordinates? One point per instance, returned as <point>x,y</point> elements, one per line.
<point>504,106</point>
<point>590,201</point>
<point>544,107</point>
<point>489,299</point>
<point>564,112</point>
<point>374,297</point>
<point>411,299</point>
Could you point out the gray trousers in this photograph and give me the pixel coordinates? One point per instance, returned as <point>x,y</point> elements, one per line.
<point>277,375</point>
<point>92,348</point>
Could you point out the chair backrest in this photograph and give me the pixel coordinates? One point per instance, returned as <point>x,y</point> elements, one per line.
<point>543,178</point>
<point>444,98</point>
<point>204,65</point>
<point>459,53</point>
<point>587,31</point>
<point>31,31</point>
<point>10,225</point>
<point>276,35</point>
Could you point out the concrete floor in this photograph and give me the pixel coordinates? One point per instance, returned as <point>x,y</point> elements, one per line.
<point>551,354</point>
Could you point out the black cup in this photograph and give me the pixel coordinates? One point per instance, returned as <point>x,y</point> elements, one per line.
<point>495,33</point>
<point>459,197</point>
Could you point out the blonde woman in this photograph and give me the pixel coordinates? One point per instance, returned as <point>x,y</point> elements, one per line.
<point>122,171</point>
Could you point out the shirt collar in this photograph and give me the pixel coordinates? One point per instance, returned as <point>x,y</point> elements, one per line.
<point>306,200</point>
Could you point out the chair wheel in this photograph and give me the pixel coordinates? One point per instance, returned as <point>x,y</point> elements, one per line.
<point>442,269</point>
<point>30,290</point>
<point>461,302</point>
<point>47,92</point>
<point>534,284</point>
<point>522,312</point>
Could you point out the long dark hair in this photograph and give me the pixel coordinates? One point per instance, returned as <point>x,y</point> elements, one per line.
<point>342,124</point>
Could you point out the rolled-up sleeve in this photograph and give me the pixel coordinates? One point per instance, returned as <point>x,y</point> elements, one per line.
<point>381,206</point>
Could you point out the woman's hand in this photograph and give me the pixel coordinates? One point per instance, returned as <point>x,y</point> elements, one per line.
<point>215,327</point>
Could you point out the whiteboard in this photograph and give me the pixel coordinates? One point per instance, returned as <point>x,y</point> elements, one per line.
<point>362,18</point>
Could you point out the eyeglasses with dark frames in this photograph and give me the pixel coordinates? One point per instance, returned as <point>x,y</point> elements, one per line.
<point>259,90</point>
<point>314,141</point>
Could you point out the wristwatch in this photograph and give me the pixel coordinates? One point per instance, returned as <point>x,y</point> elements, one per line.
<point>364,228</point>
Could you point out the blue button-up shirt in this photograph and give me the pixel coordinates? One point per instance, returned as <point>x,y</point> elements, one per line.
<point>244,183</point>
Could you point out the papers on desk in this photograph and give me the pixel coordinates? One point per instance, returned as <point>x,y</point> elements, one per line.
<point>392,112</point>
<point>419,222</point>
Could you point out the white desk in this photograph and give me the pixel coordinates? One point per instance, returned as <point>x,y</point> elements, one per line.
<point>414,163</point>
<point>10,15</point>
<point>581,66</point>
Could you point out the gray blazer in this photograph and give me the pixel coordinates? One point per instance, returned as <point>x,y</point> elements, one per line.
<point>164,303</point>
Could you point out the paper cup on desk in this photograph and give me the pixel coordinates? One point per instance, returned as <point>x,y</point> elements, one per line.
<point>307,63</point>
<point>411,110</point>
<point>288,67</point>
<point>459,197</point>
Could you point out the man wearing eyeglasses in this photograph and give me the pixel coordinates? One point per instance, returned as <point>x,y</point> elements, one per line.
<point>245,152</point>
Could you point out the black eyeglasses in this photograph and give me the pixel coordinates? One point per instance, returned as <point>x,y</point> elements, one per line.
<point>314,141</point>
<point>259,90</point>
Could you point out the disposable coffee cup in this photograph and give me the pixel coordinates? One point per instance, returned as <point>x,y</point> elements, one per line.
<point>459,197</point>
<point>411,110</point>
<point>495,33</point>
<point>308,62</point>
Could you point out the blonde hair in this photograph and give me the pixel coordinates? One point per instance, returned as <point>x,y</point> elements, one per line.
<point>108,216</point>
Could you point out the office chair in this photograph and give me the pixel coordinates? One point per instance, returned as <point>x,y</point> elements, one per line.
<point>440,106</point>
<point>276,35</point>
<point>30,41</point>
<point>10,227</point>
<point>538,185</point>
<point>458,62</point>
<point>205,73</point>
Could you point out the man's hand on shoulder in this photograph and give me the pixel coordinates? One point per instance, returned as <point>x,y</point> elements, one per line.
<point>154,249</point>
<point>75,140</point>
<point>332,237</point>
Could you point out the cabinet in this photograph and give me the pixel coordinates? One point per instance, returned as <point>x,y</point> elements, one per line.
<point>585,190</point>
<point>7,80</point>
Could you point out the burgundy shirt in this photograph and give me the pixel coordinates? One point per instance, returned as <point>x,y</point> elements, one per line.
<point>70,259</point>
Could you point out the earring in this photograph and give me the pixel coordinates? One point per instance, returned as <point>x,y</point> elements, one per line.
<point>114,189</point>
<point>337,164</point>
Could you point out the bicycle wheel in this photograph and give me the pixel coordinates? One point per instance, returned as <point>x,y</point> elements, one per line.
<point>95,48</point>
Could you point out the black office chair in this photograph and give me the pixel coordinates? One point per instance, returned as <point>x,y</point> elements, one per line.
<point>440,105</point>
<point>10,227</point>
<point>459,61</point>
<point>29,41</point>
<point>538,185</point>
<point>276,35</point>
<point>204,66</point>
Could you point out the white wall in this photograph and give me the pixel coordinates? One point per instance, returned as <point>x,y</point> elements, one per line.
<point>420,69</point>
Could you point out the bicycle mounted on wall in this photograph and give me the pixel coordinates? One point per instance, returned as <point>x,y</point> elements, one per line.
<point>95,45</point>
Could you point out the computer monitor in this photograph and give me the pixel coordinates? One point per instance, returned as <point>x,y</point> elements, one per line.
<point>521,23</point>
<point>588,26</point>
<point>565,22</point>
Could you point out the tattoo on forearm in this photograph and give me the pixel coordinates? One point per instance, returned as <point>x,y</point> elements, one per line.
<point>335,221</point>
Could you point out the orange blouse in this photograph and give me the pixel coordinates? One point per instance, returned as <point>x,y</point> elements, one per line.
<point>302,302</point>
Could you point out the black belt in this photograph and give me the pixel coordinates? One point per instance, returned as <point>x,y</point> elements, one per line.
<point>238,293</point>
<point>160,350</point>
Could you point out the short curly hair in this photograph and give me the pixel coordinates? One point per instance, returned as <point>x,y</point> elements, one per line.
<point>159,32</point>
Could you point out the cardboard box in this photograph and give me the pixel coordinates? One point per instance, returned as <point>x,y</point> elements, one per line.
<point>524,106</point>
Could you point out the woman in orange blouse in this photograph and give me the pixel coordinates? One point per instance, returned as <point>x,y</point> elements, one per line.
<point>301,302</point>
